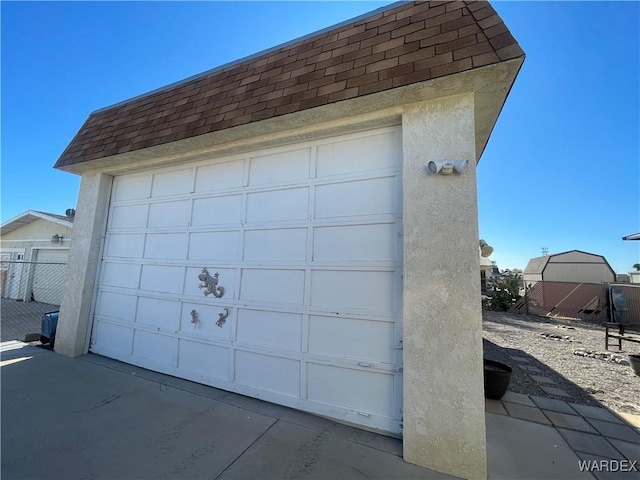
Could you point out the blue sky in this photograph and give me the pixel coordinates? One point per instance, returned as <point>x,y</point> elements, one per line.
<point>561,170</point>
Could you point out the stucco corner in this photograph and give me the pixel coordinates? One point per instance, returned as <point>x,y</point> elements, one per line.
<point>442,323</point>
<point>74,323</point>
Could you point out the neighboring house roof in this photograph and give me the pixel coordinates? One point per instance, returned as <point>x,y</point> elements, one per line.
<point>537,265</point>
<point>31,216</point>
<point>399,45</point>
<point>485,263</point>
<point>633,236</point>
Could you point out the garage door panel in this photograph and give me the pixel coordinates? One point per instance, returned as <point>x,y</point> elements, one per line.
<point>172,183</point>
<point>220,176</point>
<point>204,359</point>
<point>124,275</point>
<point>114,337</point>
<point>45,290</point>
<point>160,278</point>
<point>304,240</point>
<point>205,327</point>
<point>359,243</point>
<point>351,338</point>
<point>155,347</point>
<point>278,205</point>
<point>132,188</point>
<point>169,214</point>
<point>166,245</point>
<point>288,244</point>
<point>275,374</point>
<point>220,246</point>
<point>163,315</point>
<point>280,167</point>
<point>226,280</point>
<point>372,152</point>
<point>217,211</point>
<point>278,286</point>
<point>353,289</point>
<point>130,216</point>
<point>117,305</point>
<point>364,391</point>
<point>357,198</point>
<point>125,245</point>
<point>273,329</point>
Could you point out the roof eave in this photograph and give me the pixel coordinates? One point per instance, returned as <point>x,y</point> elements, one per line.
<point>490,85</point>
<point>15,223</point>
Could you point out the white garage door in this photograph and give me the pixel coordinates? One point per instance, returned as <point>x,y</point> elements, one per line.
<point>306,242</point>
<point>49,275</point>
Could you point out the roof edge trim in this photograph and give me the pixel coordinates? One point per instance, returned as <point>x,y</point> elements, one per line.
<point>633,236</point>
<point>35,213</point>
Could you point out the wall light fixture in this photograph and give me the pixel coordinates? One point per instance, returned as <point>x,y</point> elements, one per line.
<point>446,167</point>
<point>485,248</point>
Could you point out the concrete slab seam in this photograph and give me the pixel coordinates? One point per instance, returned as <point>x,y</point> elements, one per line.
<point>246,449</point>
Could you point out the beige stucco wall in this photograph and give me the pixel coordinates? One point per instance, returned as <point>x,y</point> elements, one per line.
<point>444,426</point>
<point>75,310</point>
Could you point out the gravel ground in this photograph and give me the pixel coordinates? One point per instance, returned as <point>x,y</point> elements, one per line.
<point>549,345</point>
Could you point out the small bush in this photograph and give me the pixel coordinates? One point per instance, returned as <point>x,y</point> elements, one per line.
<point>505,293</point>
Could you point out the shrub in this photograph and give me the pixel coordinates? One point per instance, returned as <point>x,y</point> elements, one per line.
<point>506,293</point>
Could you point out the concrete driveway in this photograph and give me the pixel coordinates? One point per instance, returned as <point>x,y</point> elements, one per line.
<point>91,417</point>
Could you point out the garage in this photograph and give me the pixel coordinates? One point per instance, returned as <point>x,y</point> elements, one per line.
<point>305,245</point>
<point>35,251</point>
<point>284,227</point>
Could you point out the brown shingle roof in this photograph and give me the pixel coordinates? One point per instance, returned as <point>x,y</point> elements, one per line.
<point>405,44</point>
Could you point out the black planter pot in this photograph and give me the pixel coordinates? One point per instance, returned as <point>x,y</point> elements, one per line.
<point>634,360</point>
<point>496,379</point>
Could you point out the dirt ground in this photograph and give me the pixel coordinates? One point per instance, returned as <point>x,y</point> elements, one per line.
<point>569,352</point>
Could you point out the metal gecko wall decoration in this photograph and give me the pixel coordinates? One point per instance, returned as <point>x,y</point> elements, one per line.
<point>210,284</point>
<point>194,318</point>
<point>223,317</point>
<point>221,320</point>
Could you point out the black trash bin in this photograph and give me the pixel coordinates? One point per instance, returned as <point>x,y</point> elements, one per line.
<point>48,327</point>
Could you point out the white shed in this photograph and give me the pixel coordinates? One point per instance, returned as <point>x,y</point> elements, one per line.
<point>572,266</point>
